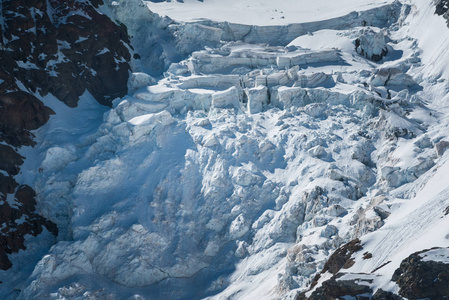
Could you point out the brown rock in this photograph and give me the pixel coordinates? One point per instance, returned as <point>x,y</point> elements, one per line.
<point>21,112</point>
<point>383,295</point>
<point>12,235</point>
<point>10,160</point>
<point>340,289</point>
<point>41,48</point>
<point>341,258</point>
<point>419,279</point>
<point>7,184</point>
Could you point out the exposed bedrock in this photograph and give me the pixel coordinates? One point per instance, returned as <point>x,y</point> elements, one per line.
<point>442,8</point>
<point>18,220</point>
<point>424,274</point>
<point>64,48</point>
<point>60,47</point>
<point>21,112</point>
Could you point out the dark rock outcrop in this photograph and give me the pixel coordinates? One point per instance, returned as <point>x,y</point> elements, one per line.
<point>64,48</point>
<point>417,278</point>
<point>21,112</point>
<point>442,6</point>
<point>358,289</point>
<point>420,279</point>
<point>18,219</point>
<point>442,9</point>
<point>339,289</point>
<point>48,46</point>
<point>341,258</point>
<point>383,295</point>
<point>356,286</point>
<point>10,161</point>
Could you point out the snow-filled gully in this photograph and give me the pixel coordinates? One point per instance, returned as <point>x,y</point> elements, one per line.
<point>238,173</point>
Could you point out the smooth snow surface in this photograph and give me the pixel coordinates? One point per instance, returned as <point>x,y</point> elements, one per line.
<point>260,151</point>
<point>260,12</point>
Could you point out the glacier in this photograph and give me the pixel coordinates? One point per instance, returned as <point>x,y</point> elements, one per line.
<point>244,155</point>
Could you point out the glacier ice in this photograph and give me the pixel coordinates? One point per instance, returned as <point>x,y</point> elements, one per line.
<point>239,163</point>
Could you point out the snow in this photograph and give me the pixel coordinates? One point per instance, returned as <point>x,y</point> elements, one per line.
<point>261,12</point>
<point>419,224</point>
<point>437,255</point>
<point>26,65</point>
<point>237,173</point>
<point>430,41</point>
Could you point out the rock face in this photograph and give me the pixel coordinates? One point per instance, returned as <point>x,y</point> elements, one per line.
<point>64,48</point>
<point>424,275</point>
<point>21,112</point>
<point>13,233</point>
<point>345,285</point>
<point>60,47</point>
<point>334,289</point>
<point>338,288</point>
<point>442,9</point>
<point>331,289</point>
<point>349,286</point>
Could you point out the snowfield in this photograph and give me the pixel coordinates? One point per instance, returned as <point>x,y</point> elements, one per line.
<point>260,12</point>
<point>238,171</point>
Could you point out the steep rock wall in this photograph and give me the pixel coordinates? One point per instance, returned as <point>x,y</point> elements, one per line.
<point>60,47</point>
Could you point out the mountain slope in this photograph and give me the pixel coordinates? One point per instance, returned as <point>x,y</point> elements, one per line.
<point>46,47</point>
<point>286,161</point>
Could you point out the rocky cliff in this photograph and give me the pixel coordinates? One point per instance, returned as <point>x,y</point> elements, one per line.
<point>60,47</point>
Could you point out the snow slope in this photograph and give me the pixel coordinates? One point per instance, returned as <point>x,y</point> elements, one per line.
<point>261,12</point>
<point>238,173</point>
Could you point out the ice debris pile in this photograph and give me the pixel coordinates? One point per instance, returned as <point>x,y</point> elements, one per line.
<point>245,167</point>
